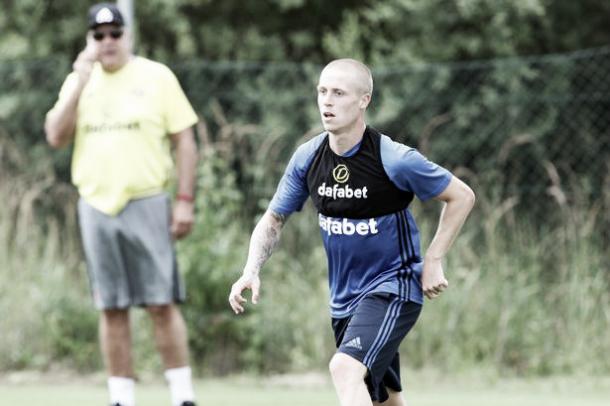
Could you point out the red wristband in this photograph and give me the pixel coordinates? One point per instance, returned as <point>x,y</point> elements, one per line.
<point>186,198</point>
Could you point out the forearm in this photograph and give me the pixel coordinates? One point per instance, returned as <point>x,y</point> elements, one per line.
<point>452,218</point>
<point>186,157</point>
<point>60,124</point>
<point>264,239</point>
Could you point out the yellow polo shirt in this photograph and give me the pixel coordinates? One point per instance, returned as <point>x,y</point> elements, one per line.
<point>122,144</point>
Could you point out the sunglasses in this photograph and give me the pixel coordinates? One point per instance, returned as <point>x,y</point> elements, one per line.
<point>114,34</point>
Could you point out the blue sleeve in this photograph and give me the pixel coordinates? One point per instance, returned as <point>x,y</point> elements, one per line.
<point>411,171</point>
<point>292,192</point>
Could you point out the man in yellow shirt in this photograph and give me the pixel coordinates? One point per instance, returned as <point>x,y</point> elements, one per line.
<point>123,113</point>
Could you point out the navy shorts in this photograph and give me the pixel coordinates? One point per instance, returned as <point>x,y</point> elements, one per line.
<point>372,335</point>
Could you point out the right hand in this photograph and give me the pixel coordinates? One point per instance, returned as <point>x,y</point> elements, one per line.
<point>249,280</point>
<point>83,65</point>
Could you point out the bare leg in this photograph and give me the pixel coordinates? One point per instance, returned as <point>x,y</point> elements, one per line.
<point>170,335</point>
<point>395,399</point>
<point>115,342</point>
<point>348,377</point>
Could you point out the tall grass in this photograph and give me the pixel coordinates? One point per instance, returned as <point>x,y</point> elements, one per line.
<point>46,314</point>
<point>39,258</point>
<point>526,296</point>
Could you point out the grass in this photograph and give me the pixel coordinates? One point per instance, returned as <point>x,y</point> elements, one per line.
<point>426,389</point>
<point>527,297</point>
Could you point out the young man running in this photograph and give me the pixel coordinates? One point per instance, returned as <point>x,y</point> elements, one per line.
<point>361,182</point>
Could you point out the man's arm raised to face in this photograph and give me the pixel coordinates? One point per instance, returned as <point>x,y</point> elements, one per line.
<point>263,241</point>
<point>60,122</point>
<point>459,200</point>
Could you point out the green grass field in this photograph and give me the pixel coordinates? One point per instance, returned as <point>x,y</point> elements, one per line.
<point>305,391</point>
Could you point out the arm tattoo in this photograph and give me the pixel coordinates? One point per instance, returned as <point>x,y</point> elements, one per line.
<point>264,239</point>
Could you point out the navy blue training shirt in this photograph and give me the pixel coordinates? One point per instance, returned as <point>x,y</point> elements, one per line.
<point>362,197</point>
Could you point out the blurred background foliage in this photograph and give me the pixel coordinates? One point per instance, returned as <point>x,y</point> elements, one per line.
<point>460,80</point>
<point>380,32</point>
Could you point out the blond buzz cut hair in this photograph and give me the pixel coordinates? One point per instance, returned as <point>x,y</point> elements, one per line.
<point>363,73</point>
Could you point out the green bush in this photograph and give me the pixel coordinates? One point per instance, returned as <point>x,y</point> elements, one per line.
<point>529,286</point>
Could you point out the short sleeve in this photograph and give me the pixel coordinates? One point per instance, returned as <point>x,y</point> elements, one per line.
<point>292,191</point>
<point>66,88</point>
<point>409,170</point>
<point>178,112</point>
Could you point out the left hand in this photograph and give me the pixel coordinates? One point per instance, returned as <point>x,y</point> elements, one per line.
<point>249,280</point>
<point>183,217</point>
<point>433,278</point>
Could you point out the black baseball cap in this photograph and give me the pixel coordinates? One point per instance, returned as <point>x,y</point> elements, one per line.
<point>105,13</point>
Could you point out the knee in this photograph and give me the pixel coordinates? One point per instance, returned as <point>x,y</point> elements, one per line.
<point>345,369</point>
<point>115,317</point>
<point>159,312</point>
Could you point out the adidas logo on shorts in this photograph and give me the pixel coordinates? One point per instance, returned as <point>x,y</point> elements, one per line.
<point>354,343</point>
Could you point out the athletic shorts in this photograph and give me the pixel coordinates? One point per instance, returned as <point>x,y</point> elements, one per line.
<point>372,335</point>
<point>131,259</point>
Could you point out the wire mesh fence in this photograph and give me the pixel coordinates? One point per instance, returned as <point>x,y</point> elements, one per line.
<point>533,130</point>
<point>531,135</point>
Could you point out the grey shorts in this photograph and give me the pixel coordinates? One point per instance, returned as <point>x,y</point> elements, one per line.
<point>131,259</point>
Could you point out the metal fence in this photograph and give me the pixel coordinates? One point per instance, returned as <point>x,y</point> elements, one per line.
<point>533,133</point>
<point>530,133</point>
